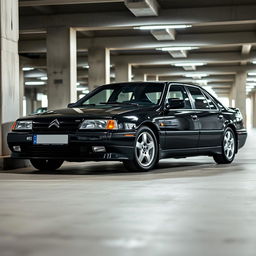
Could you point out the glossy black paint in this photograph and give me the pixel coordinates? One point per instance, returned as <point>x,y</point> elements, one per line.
<point>180,132</point>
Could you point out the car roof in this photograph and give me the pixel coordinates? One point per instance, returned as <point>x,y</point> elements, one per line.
<point>155,82</point>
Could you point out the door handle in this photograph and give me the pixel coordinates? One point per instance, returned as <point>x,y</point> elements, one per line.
<point>194,117</point>
<point>220,117</point>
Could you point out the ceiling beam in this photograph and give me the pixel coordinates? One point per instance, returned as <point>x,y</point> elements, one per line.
<point>210,79</point>
<point>210,70</point>
<point>62,2</point>
<point>155,59</point>
<point>148,42</point>
<point>202,16</point>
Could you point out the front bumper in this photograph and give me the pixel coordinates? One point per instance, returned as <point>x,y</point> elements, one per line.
<point>118,146</point>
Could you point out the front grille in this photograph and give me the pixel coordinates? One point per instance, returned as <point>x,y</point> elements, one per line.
<point>65,125</point>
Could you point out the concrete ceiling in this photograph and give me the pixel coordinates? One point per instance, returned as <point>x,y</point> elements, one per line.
<point>224,32</point>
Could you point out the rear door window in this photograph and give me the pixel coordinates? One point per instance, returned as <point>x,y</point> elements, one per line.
<point>198,97</point>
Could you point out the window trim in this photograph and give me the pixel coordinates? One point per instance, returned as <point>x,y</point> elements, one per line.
<point>208,95</point>
<point>185,89</point>
<point>202,91</point>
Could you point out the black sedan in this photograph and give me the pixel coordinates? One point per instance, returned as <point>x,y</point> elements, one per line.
<point>136,123</point>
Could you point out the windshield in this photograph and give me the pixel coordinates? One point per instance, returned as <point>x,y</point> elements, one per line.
<point>130,94</point>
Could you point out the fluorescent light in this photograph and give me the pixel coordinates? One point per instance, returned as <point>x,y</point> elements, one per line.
<point>251,79</point>
<point>34,83</point>
<point>44,78</point>
<point>80,89</point>
<point>188,64</point>
<point>86,91</point>
<point>27,68</point>
<point>254,62</point>
<point>251,84</point>
<point>177,48</point>
<point>196,75</point>
<point>77,83</point>
<point>86,66</point>
<point>155,27</point>
<point>201,81</point>
<point>252,74</point>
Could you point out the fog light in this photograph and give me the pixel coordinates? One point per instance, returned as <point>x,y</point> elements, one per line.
<point>97,149</point>
<point>17,148</point>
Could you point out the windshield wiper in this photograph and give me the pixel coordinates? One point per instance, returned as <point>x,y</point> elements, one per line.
<point>120,103</point>
<point>87,105</point>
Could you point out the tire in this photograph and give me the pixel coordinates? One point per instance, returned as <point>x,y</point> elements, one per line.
<point>228,148</point>
<point>46,165</point>
<point>146,151</point>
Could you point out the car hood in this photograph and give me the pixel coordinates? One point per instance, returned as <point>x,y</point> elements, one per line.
<point>104,111</point>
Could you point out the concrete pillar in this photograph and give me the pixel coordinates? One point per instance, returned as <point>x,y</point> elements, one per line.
<point>21,84</point>
<point>240,92</point>
<point>99,67</point>
<point>61,67</point>
<point>123,72</point>
<point>253,102</point>
<point>9,69</point>
<point>232,96</point>
<point>139,77</point>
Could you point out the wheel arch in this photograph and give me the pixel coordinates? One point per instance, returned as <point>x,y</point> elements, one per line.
<point>232,126</point>
<point>153,127</point>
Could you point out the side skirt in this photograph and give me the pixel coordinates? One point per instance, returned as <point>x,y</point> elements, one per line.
<point>179,153</point>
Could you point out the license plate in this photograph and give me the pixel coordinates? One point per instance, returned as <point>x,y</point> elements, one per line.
<point>56,139</point>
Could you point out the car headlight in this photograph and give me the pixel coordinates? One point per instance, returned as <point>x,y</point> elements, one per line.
<point>99,124</point>
<point>129,126</point>
<point>22,125</point>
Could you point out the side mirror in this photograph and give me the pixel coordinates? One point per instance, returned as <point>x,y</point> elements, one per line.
<point>175,104</point>
<point>71,105</point>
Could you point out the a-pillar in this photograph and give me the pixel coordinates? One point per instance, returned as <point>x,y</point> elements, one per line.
<point>123,71</point>
<point>9,69</point>
<point>240,92</point>
<point>99,67</point>
<point>61,66</point>
<point>253,103</point>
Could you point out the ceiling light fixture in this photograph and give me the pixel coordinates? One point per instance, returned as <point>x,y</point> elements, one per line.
<point>252,74</point>
<point>250,85</point>
<point>188,64</point>
<point>177,48</point>
<point>201,81</point>
<point>81,89</point>
<point>196,75</point>
<point>156,27</point>
<point>44,78</point>
<point>34,83</point>
<point>27,68</point>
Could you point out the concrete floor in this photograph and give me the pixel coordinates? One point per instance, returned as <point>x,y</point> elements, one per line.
<point>186,207</point>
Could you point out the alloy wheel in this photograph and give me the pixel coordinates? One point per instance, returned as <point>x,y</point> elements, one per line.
<point>145,149</point>
<point>229,145</point>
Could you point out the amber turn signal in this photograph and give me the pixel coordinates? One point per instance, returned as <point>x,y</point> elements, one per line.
<point>111,125</point>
